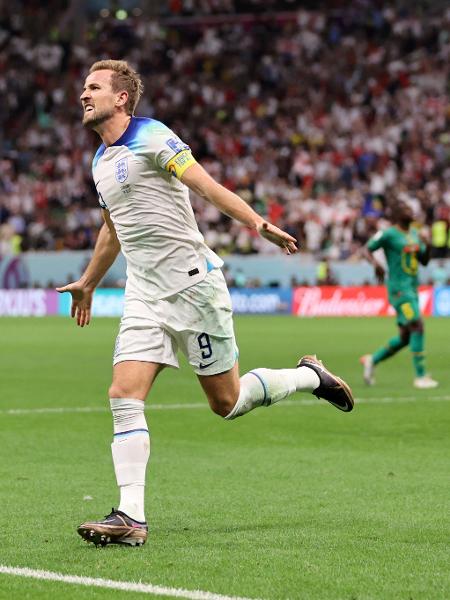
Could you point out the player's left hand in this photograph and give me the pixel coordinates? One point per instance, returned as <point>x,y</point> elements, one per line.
<point>278,237</point>
<point>424,235</point>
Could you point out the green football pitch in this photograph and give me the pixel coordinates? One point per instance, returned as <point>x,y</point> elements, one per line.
<point>295,501</point>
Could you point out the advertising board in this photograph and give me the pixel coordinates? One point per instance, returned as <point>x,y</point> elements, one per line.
<point>442,302</point>
<point>363,301</point>
<point>108,302</point>
<point>323,301</point>
<point>28,303</point>
<point>269,301</point>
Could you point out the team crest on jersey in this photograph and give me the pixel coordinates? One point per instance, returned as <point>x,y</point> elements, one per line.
<point>122,170</point>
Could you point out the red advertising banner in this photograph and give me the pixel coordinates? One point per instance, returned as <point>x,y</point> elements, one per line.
<point>336,301</point>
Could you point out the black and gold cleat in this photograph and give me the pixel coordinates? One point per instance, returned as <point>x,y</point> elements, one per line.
<point>115,528</point>
<point>332,388</point>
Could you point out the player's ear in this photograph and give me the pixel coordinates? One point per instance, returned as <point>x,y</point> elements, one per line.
<point>122,98</point>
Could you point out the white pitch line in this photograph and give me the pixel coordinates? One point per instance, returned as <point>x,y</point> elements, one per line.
<point>94,409</point>
<point>125,586</point>
<point>204,405</point>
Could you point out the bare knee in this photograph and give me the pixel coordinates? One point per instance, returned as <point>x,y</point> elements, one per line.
<point>118,390</point>
<point>416,326</point>
<point>124,388</point>
<point>222,390</point>
<point>405,334</point>
<point>133,379</point>
<point>222,405</point>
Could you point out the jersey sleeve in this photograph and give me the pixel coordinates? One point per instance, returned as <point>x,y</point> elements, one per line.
<point>171,153</point>
<point>95,160</point>
<point>379,240</point>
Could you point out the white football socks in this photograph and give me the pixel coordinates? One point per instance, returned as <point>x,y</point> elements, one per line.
<point>130,452</point>
<point>262,387</point>
<point>131,445</point>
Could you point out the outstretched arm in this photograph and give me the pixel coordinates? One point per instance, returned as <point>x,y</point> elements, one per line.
<point>200,182</point>
<point>425,252</point>
<point>379,269</point>
<point>106,250</point>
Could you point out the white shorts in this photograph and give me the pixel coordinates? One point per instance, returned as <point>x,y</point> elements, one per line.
<point>198,321</point>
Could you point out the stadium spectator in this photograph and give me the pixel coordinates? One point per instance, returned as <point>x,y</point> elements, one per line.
<point>318,118</point>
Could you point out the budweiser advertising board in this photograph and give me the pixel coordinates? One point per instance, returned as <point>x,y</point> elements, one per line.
<point>365,301</point>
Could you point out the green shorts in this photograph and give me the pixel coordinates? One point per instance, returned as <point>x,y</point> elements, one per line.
<point>406,306</point>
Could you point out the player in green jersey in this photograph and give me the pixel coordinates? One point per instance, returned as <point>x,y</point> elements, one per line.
<point>404,249</point>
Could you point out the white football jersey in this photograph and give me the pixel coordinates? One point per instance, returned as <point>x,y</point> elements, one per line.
<point>137,180</point>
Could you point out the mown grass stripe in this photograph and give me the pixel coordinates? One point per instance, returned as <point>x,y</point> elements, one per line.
<point>125,586</point>
<point>200,405</point>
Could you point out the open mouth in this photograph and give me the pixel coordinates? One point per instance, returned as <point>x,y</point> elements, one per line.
<point>88,108</point>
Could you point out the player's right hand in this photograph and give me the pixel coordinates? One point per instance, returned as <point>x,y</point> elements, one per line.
<point>81,301</point>
<point>379,273</point>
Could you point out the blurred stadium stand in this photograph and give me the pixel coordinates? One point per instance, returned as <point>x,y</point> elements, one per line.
<point>316,113</point>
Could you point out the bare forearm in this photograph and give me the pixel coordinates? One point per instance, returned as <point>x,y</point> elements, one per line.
<point>424,257</point>
<point>233,206</point>
<point>198,180</point>
<point>105,252</point>
<point>226,201</point>
<point>365,253</point>
<point>379,269</point>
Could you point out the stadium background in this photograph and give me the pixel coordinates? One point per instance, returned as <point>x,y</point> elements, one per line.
<point>317,114</point>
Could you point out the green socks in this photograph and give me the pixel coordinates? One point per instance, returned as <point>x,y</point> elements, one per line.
<point>393,346</point>
<point>416,343</point>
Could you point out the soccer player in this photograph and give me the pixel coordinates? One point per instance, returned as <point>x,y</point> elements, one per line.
<point>175,296</point>
<point>404,248</point>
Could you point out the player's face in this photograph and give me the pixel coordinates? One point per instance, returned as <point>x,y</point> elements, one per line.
<point>98,99</point>
<point>405,214</point>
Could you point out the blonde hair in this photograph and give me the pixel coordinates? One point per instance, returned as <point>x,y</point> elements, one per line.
<point>123,78</point>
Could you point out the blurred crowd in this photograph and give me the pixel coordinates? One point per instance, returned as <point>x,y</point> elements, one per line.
<point>194,8</point>
<point>317,118</point>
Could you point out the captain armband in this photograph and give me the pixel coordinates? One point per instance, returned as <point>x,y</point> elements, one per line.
<point>180,162</point>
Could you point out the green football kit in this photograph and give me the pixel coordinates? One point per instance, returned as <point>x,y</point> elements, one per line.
<point>403,251</point>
